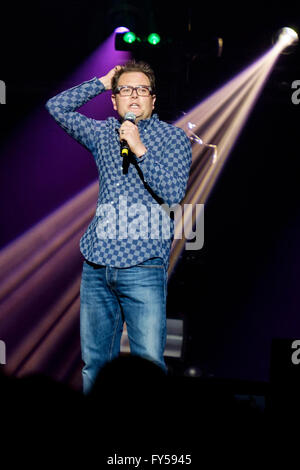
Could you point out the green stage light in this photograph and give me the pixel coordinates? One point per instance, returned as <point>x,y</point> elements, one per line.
<point>153,39</point>
<point>129,37</point>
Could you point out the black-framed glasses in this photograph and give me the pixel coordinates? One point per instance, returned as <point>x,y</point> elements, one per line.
<point>127,90</point>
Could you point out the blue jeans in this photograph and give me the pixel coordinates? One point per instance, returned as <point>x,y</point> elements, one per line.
<point>110,296</point>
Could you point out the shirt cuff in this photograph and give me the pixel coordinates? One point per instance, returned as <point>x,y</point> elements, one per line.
<point>142,158</point>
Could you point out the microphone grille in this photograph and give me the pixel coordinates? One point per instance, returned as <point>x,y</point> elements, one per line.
<point>130,117</point>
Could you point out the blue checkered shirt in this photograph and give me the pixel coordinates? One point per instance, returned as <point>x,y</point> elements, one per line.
<point>119,234</point>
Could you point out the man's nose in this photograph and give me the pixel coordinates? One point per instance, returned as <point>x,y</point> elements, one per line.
<point>134,93</point>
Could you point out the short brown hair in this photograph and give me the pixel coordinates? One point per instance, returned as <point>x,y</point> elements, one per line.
<point>133,66</point>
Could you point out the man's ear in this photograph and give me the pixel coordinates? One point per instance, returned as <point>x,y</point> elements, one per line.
<point>153,100</point>
<point>114,102</point>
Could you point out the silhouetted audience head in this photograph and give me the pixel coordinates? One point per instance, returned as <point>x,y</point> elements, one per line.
<point>128,371</point>
<point>128,390</point>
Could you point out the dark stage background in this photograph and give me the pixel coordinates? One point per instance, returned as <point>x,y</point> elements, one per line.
<point>241,289</point>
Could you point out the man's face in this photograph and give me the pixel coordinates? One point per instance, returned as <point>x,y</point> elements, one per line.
<point>141,106</point>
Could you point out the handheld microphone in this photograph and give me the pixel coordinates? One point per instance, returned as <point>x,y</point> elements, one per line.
<point>124,145</point>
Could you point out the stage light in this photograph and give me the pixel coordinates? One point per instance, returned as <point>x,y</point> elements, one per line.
<point>122,29</point>
<point>135,40</point>
<point>286,40</point>
<point>153,39</point>
<point>288,36</point>
<point>193,371</point>
<point>129,37</point>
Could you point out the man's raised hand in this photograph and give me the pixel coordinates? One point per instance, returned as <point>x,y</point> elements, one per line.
<point>106,79</point>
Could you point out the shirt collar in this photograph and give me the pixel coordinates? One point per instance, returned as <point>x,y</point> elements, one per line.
<point>146,123</point>
<point>143,124</point>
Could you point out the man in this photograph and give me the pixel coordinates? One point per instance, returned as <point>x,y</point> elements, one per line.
<point>124,274</point>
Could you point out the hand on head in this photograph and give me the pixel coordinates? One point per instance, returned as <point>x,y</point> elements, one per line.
<point>107,79</point>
